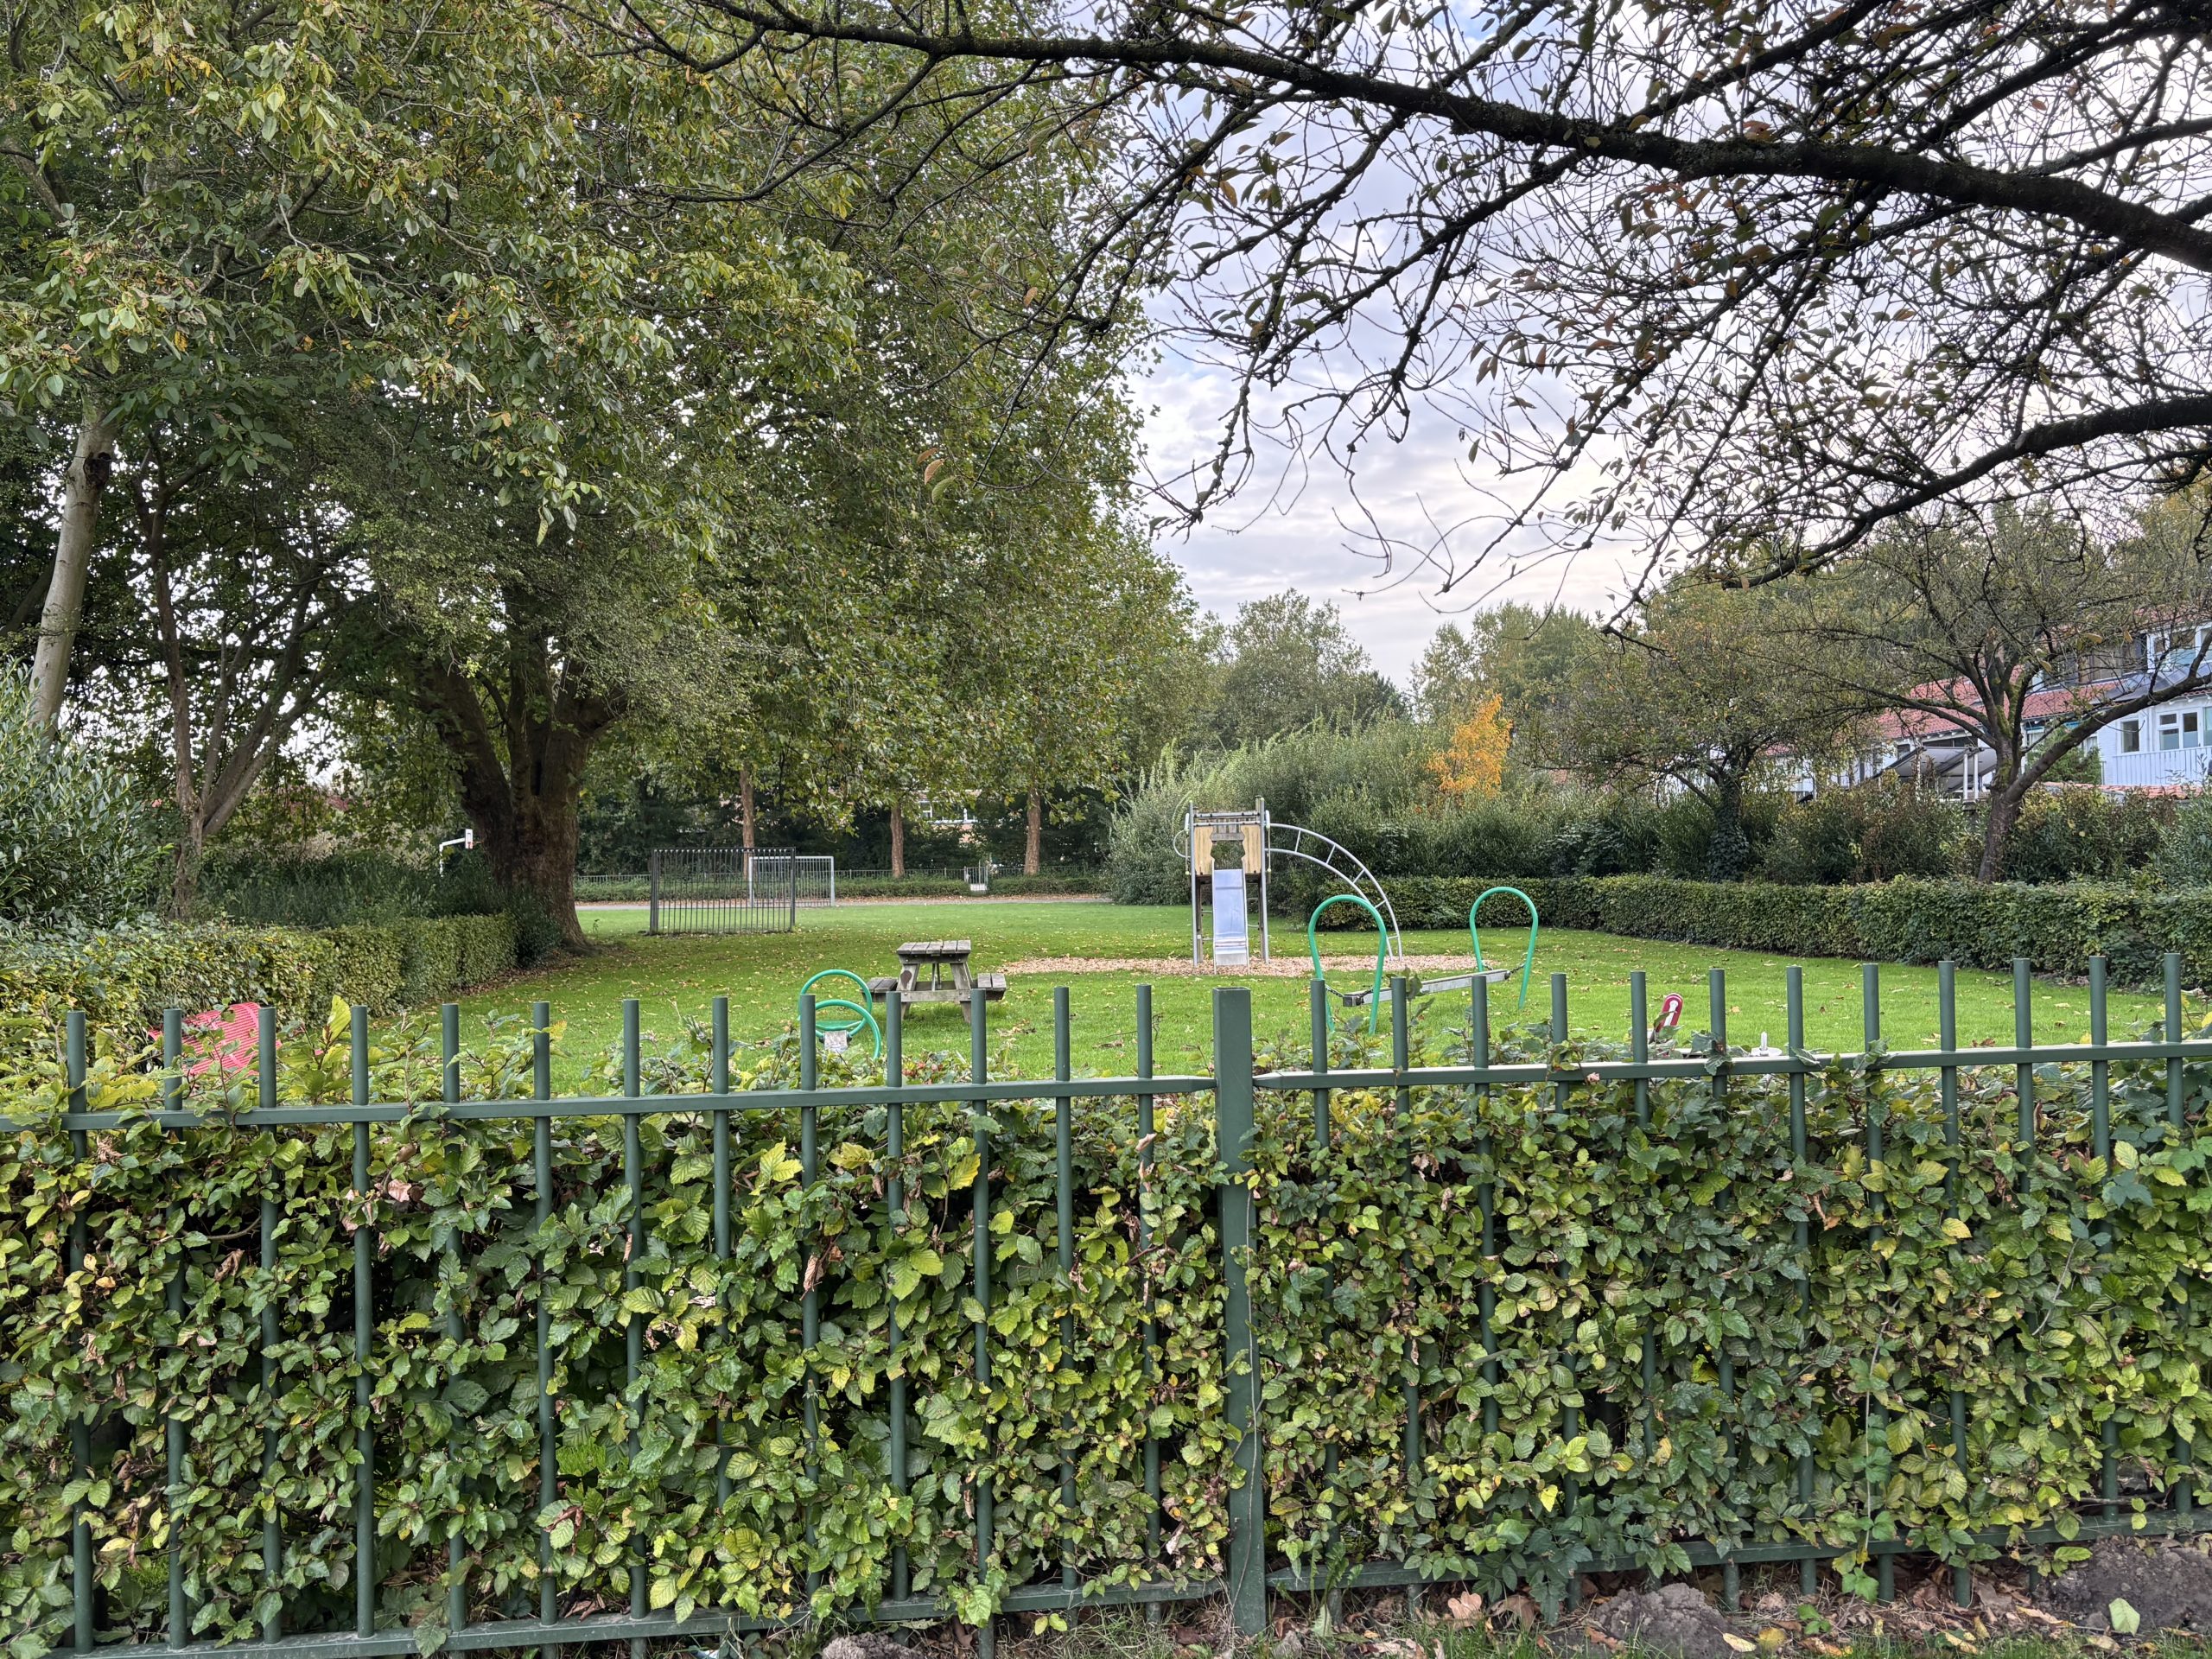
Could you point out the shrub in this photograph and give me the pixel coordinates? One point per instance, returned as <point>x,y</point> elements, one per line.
<point>344,888</point>
<point>1555,1268</point>
<point>2083,834</point>
<point>2056,928</point>
<point>2185,854</point>
<point>78,844</point>
<point>1873,833</point>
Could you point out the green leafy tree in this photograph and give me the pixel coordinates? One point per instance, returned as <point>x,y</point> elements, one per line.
<point>1292,662</point>
<point>219,213</point>
<point>1959,625</point>
<point>1531,660</point>
<point>1680,700</point>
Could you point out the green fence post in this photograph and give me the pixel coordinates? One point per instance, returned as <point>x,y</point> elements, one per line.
<point>273,1530</point>
<point>1247,1549</point>
<point>979,1067</point>
<point>1877,1416</point>
<point>1145,1131</point>
<point>2174,1098</point>
<point>81,1430</point>
<point>541,1158</point>
<point>894,1199</point>
<point>173,1428</point>
<point>364,1338</point>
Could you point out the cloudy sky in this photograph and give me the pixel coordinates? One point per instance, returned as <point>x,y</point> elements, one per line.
<point>1300,523</point>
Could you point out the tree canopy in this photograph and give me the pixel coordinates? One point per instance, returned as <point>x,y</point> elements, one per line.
<point>1696,273</point>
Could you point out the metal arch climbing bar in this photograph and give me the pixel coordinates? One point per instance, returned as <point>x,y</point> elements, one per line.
<point>1382,945</point>
<point>1316,850</point>
<point>867,1017</point>
<point>1528,958</point>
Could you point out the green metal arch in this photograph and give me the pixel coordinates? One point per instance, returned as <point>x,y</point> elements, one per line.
<point>867,1017</point>
<point>1381,947</point>
<point>1528,958</point>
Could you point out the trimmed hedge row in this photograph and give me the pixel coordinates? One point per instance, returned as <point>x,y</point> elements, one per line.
<point>123,978</point>
<point>2057,928</point>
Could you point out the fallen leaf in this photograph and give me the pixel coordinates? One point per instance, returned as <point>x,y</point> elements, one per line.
<point>1772,1638</point>
<point>1740,1644</point>
<point>1464,1609</point>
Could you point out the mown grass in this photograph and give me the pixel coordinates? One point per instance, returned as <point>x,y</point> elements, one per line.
<point>675,979</point>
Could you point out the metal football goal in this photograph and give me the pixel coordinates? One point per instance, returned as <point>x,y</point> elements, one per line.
<point>722,890</point>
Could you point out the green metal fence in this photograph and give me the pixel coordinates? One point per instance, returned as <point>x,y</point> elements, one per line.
<point>1246,1578</point>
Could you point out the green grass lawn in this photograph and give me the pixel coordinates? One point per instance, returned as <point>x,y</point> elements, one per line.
<point>677,978</point>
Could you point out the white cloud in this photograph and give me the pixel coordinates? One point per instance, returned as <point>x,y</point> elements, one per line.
<point>1304,521</point>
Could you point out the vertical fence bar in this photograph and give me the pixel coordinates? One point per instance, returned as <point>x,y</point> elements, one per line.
<point>1639,1052</point>
<point>895,1148</point>
<point>1570,1417</point>
<point>549,1450</point>
<point>2023,1037</point>
<point>2182,1496</point>
<point>810,1155</point>
<point>1870,993</point>
<point>1317,1003</point>
<point>172,1431</point>
<point>1809,1568</point>
<point>1064,1183</point>
<point>1401,1063</point>
<point>1486,1197</point>
<point>80,1427</point>
<point>1245,1556</point>
<point>272,1534</point>
<point>1146,1130</point>
<point>1716,994</point>
<point>980,1267</point>
<point>457,1328</point>
<point>1946,1019</point>
<point>634,1329</point>
<point>364,1338</point>
<point>718,1083</point>
<point>2100,1147</point>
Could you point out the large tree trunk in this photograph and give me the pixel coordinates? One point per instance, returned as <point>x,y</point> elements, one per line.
<point>1033,848</point>
<point>2000,816</point>
<point>744,806</point>
<point>898,839</point>
<point>523,784</point>
<point>81,485</point>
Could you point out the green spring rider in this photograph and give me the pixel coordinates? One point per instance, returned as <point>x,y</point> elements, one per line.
<point>1371,998</point>
<point>842,1028</point>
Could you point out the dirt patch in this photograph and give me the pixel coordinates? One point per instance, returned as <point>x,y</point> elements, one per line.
<point>1675,1618</point>
<point>1280,967</point>
<point>2169,1586</point>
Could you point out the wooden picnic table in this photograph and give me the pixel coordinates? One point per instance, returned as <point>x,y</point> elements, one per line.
<point>937,970</point>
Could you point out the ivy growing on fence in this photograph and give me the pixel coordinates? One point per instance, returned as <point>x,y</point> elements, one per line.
<point>1638,1355</point>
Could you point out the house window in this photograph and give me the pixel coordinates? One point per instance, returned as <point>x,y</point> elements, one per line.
<point>2131,737</point>
<point>2181,731</point>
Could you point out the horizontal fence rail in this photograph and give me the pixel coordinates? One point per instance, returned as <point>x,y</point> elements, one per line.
<point>361,1342</point>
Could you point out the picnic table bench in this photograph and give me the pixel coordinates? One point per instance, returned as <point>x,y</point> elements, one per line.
<point>936,970</point>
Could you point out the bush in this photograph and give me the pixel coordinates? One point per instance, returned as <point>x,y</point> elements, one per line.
<point>345,888</point>
<point>2185,854</point>
<point>123,978</point>
<point>78,844</point>
<point>1873,833</point>
<point>1555,1268</point>
<point>2083,834</point>
<point>2056,928</point>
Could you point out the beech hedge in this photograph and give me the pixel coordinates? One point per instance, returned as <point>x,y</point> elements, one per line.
<point>1630,1318</point>
<point>2056,928</point>
<point>123,978</point>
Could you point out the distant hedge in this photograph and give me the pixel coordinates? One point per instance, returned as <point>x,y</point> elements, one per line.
<point>2056,928</point>
<point>123,978</point>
